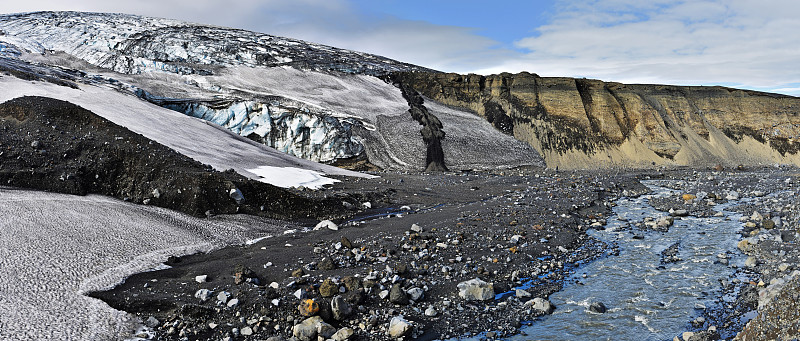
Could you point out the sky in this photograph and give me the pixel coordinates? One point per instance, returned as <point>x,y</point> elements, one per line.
<point>752,44</point>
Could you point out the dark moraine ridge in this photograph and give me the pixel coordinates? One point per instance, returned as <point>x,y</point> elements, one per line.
<point>52,145</point>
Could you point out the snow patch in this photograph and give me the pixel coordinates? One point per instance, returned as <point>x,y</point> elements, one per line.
<point>291,177</point>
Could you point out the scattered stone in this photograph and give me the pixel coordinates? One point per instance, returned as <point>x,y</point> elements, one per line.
<point>416,228</point>
<point>366,205</point>
<point>233,302</point>
<point>397,295</point>
<point>678,213</point>
<point>732,195</point>
<point>750,262</point>
<point>520,293</point>
<point>343,334</point>
<point>783,267</point>
<point>399,327</point>
<point>346,243</point>
<point>688,197</point>
<point>203,294</point>
<point>476,290</point>
<point>542,305</point>
<point>298,273</point>
<point>308,329</point>
<point>236,195</point>
<point>326,264</point>
<point>152,322</point>
<point>326,224</point>
<point>597,307</point>
<point>687,335</point>
<point>664,222</point>
<point>201,278</point>
<point>246,331</point>
<point>768,224</point>
<point>328,288</point>
<point>415,294</point>
<point>222,297</point>
<point>308,307</point>
<point>351,283</point>
<point>431,311</point>
<point>340,308</point>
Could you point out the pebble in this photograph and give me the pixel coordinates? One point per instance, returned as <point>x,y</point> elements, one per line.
<point>152,322</point>
<point>246,331</point>
<point>416,228</point>
<point>415,294</point>
<point>232,303</point>
<point>223,297</point>
<point>343,334</point>
<point>431,311</point>
<point>476,290</point>
<point>203,294</point>
<point>201,278</point>
<point>520,293</point>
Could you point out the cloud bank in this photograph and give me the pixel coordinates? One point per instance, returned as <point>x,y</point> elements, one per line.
<point>744,43</point>
<point>739,43</point>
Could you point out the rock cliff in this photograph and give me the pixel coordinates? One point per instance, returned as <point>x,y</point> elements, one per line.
<point>580,123</point>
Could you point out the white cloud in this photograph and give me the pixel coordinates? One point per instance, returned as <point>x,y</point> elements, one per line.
<point>332,22</point>
<point>742,43</point>
<point>746,43</point>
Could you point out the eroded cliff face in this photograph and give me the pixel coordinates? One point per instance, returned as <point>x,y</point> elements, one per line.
<point>585,123</point>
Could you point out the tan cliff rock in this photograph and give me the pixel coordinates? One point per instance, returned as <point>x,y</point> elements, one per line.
<point>586,123</point>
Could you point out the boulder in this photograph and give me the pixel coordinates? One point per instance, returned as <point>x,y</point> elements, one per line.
<point>476,290</point>
<point>340,308</point>
<point>542,305</point>
<point>399,327</point>
<point>598,307</point>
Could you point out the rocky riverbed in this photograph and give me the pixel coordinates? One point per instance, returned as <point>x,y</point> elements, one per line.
<point>438,258</point>
<point>442,257</point>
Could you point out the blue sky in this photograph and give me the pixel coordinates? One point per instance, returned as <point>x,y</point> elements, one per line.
<point>739,43</point>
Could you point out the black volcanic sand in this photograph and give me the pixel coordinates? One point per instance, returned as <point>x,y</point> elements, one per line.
<point>467,220</point>
<point>53,145</point>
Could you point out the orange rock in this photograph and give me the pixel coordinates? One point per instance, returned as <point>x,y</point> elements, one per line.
<point>687,197</point>
<point>308,307</point>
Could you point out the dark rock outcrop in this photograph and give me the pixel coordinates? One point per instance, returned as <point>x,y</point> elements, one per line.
<point>432,133</point>
<point>53,145</point>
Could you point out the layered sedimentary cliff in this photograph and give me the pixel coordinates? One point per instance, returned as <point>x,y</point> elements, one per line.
<point>580,123</point>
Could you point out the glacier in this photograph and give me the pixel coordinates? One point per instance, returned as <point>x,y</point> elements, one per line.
<point>297,131</point>
<point>312,101</point>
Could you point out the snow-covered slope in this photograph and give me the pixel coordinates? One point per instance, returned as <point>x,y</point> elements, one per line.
<point>312,101</point>
<point>134,44</point>
<point>200,140</point>
<point>55,248</point>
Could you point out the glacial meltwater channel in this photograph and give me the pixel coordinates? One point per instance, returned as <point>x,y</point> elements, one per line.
<point>646,299</point>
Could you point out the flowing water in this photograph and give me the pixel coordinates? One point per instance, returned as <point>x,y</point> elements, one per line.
<point>646,299</point>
